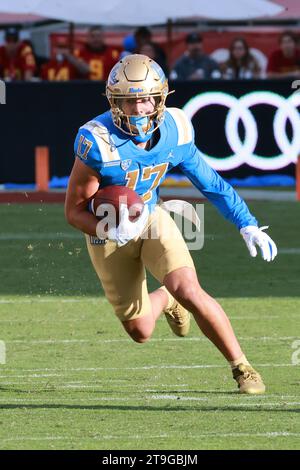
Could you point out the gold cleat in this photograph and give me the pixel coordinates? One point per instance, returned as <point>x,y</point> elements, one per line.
<point>178,319</point>
<point>249,381</point>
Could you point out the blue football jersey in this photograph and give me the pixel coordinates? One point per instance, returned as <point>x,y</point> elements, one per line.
<point>119,161</point>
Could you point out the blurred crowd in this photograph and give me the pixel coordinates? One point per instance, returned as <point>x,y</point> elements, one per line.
<point>95,59</point>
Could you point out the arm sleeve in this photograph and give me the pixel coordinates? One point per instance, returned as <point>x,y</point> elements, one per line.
<point>216,189</point>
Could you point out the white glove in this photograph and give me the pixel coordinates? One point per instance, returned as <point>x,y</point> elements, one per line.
<point>127,230</point>
<point>255,236</point>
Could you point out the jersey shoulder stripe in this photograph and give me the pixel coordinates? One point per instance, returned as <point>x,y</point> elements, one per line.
<point>183,124</point>
<point>103,139</point>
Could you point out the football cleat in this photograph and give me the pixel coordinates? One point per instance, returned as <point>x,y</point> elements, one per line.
<point>249,381</point>
<point>178,318</point>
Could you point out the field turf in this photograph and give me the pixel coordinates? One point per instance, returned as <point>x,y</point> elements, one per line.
<point>73,379</point>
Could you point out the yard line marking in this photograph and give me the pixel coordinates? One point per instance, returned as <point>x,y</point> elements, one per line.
<point>164,395</point>
<point>64,341</point>
<point>250,317</point>
<point>289,251</point>
<point>33,376</point>
<point>152,367</point>
<point>45,401</point>
<point>125,340</point>
<point>176,397</point>
<point>56,298</point>
<point>54,320</point>
<point>162,388</point>
<point>222,395</point>
<point>124,437</point>
<point>42,322</point>
<point>49,300</point>
<point>185,398</point>
<point>6,236</point>
<point>99,385</point>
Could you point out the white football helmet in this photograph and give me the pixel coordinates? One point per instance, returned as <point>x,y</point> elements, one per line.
<point>137,76</point>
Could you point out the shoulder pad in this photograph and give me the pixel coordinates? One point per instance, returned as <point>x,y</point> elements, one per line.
<point>183,124</point>
<point>104,140</point>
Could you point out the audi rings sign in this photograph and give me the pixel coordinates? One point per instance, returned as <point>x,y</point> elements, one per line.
<point>241,111</point>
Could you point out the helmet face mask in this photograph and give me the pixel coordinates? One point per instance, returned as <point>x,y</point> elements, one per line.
<point>134,77</point>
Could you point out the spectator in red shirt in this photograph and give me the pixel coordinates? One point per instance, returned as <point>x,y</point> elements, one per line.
<point>96,59</point>
<point>285,62</point>
<point>59,68</point>
<point>17,61</point>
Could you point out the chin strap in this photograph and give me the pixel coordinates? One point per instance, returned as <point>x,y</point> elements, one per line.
<point>139,123</point>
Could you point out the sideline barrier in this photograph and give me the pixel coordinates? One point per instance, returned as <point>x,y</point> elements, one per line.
<point>244,127</point>
<point>42,170</point>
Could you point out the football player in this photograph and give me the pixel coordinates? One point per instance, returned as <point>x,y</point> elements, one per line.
<point>131,145</point>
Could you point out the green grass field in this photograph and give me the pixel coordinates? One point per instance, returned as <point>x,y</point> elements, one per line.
<point>73,380</point>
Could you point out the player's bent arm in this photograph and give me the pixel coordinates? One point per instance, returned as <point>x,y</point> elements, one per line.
<point>83,184</point>
<point>229,203</point>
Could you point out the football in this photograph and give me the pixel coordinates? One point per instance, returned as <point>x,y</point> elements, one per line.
<point>106,202</point>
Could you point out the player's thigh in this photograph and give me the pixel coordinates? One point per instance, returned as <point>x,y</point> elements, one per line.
<point>123,277</point>
<point>164,249</point>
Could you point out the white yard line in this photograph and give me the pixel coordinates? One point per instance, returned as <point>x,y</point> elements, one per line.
<point>124,437</point>
<point>142,397</point>
<point>48,321</point>
<point>51,300</point>
<point>144,368</point>
<point>102,299</point>
<point>96,385</point>
<point>254,317</point>
<point>66,341</point>
<point>289,251</point>
<point>162,388</point>
<point>55,320</point>
<point>186,398</point>
<point>48,299</point>
<point>6,236</point>
<point>32,376</point>
<point>159,340</point>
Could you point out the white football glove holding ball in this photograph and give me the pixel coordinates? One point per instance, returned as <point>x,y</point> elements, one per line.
<point>127,230</point>
<point>255,236</point>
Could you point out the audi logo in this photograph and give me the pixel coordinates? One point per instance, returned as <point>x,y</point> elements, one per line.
<point>239,109</point>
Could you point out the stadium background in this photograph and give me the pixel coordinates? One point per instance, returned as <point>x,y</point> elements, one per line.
<point>67,106</point>
<point>49,114</point>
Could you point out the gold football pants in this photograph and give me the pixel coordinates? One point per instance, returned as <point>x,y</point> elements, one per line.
<point>122,270</point>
